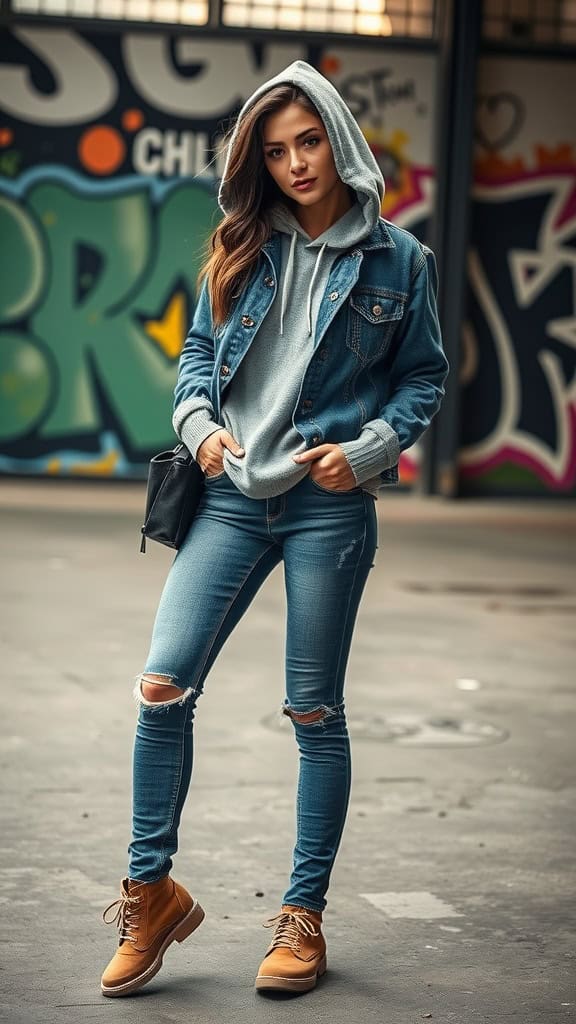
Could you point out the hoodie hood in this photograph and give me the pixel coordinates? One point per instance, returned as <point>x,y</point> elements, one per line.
<point>355,163</point>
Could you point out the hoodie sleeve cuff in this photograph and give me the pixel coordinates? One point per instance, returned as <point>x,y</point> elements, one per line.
<point>374,451</point>
<point>195,427</point>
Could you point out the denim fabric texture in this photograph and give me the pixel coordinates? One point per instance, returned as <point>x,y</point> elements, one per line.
<point>377,357</point>
<point>326,541</point>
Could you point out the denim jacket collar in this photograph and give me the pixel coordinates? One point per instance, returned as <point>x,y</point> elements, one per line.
<point>379,238</point>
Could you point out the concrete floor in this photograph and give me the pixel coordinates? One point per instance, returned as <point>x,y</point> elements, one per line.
<point>469,617</point>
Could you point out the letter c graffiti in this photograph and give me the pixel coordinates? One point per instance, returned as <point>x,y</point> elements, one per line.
<point>147,151</point>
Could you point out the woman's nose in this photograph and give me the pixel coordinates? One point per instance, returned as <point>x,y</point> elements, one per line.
<point>297,163</point>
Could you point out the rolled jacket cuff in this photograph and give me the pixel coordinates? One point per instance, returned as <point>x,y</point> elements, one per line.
<point>376,450</point>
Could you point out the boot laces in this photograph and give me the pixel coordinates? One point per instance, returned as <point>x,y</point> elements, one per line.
<point>126,917</point>
<point>289,930</point>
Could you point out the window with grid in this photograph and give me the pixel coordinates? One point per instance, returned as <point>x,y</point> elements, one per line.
<point>410,18</point>
<point>171,12</point>
<point>401,18</point>
<point>530,22</point>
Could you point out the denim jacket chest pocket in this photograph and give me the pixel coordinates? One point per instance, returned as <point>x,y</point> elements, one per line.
<point>373,319</point>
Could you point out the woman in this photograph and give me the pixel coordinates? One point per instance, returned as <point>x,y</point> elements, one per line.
<point>313,360</point>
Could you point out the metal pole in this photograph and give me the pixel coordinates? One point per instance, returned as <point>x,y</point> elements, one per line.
<point>459,33</point>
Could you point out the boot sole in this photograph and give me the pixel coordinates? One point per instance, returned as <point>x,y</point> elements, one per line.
<point>291,984</point>
<point>183,929</point>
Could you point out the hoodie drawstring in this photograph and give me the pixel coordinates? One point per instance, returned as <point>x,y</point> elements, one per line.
<point>309,302</point>
<point>288,282</point>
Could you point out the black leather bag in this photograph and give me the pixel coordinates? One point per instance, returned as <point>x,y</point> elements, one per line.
<point>175,485</point>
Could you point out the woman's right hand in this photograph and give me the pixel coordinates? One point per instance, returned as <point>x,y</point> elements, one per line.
<point>210,455</point>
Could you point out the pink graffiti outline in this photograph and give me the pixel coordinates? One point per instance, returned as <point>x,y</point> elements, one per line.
<point>511,452</point>
<point>562,171</point>
<point>418,202</point>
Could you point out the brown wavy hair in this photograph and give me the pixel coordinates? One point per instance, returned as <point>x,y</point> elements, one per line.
<point>249,190</point>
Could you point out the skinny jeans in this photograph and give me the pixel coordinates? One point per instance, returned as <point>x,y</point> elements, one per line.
<point>327,541</point>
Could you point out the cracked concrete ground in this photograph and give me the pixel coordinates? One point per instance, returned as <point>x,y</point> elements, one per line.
<point>452,898</point>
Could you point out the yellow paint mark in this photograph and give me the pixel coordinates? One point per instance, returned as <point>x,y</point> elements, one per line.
<point>103,467</point>
<point>53,466</point>
<point>405,189</point>
<point>8,383</point>
<point>562,156</point>
<point>497,168</point>
<point>397,143</point>
<point>27,408</point>
<point>49,218</point>
<point>169,332</point>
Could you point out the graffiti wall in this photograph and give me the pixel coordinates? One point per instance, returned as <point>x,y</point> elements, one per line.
<point>519,339</point>
<point>108,177</point>
<point>108,174</point>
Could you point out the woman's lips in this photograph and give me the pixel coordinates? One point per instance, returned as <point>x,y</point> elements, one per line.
<point>305,185</point>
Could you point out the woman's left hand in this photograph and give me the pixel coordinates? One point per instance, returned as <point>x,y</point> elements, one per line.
<point>329,467</point>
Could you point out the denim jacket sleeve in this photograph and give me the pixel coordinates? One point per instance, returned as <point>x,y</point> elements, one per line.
<point>418,372</point>
<point>193,418</point>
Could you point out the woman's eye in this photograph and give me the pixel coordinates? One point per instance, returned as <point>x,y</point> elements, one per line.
<point>311,141</point>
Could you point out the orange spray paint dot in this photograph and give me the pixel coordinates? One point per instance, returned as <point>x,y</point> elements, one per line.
<point>6,136</point>
<point>132,120</point>
<point>329,65</point>
<point>101,149</point>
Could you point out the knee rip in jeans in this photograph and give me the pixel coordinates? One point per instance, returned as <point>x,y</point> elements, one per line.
<point>152,696</point>
<point>316,716</point>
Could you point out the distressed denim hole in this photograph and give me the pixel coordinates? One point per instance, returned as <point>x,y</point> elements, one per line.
<point>153,696</point>
<point>314,717</point>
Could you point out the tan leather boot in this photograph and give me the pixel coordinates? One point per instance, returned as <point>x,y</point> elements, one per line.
<point>149,915</point>
<point>296,957</point>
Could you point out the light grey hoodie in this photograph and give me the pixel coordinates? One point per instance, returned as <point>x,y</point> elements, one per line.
<point>260,401</point>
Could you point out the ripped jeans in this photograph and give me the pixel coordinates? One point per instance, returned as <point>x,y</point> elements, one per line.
<point>327,542</point>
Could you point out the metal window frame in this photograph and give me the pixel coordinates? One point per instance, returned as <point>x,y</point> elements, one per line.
<point>214,26</point>
<point>509,43</point>
<point>563,51</point>
<point>406,39</point>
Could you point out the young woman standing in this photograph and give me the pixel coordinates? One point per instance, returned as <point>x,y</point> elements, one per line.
<point>313,360</point>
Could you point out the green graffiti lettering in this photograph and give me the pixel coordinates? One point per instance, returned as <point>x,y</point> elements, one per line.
<point>26,384</point>
<point>23,266</point>
<point>77,329</point>
<point>113,260</point>
<point>96,294</point>
<point>182,225</point>
<point>26,373</point>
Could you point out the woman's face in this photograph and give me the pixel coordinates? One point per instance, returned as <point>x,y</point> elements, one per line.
<point>296,148</point>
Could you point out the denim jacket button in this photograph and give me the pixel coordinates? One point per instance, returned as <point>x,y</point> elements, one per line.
<point>224,370</point>
<point>333,296</point>
<point>315,439</point>
<point>269,282</point>
<point>377,310</point>
<point>247,321</point>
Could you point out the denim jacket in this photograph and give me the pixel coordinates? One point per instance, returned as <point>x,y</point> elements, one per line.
<point>376,363</point>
